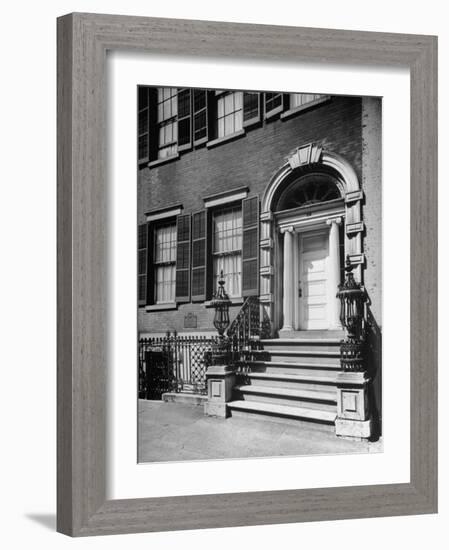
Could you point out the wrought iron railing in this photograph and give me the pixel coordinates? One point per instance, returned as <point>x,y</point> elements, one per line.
<point>245,328</point>
<point>245,333</point>
<point>173,363</point>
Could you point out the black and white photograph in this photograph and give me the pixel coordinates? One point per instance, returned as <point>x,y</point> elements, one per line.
<point>259,274</point>
<point>221,265</point>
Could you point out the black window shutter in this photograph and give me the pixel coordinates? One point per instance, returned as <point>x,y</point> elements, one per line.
<point>250,246</point>
<point>147,132</point>
<point>251,108</point>
<point>143,124</point>
<point>200,116</point>
<point>154,132</point>
<point>199,255</point>
<point>142,262</point>
<point>150,266</point>
<point>184,119</point>
<point>183,258</point>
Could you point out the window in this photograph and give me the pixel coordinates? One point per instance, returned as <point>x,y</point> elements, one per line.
<point>164,264</point>
<point>273,103</point>
<point>167,110</point>
<point>297,100</point>
<point>230,113</point>
<point>227,249</point>
<point>309,189</point>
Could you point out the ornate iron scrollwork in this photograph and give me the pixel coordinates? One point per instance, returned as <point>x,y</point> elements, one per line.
<point>352,297</point>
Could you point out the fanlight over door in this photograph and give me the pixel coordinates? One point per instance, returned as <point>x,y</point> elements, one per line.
<point>308,190</point>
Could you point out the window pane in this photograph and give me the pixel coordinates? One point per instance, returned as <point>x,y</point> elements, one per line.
<point>184,103</point>
<point>167,111</point>
<point>251,105</point>
<point>229,125</point>
<point>238,100</point>
<point>229,113</point>
<point>238,121</point>
<point>228,230</point>
<point>231,265</point>
<point>297,100</point>
<point>221,127</point>
<point>229,103</point>
<point>165,278</point>
<point>272,101</point>
<point>168,133</point>
<point>199,99</point>
<point>220,107</point>
<point>165,241</point>
<point>200,125</point>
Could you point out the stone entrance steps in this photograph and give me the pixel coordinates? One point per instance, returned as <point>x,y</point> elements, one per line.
<point>268,410</point>
<point>291,397</point>
<point>291,379</point>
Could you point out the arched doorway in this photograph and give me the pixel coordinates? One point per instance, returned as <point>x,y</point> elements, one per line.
<point>311,221</point>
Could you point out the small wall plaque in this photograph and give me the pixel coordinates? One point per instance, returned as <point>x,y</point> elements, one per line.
<point>190,320</point>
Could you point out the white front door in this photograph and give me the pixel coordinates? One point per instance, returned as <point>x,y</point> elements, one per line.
<point>313,280</point>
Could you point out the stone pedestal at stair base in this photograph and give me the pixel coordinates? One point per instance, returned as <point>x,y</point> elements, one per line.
<point>353,410</point>
<point>220,380</point>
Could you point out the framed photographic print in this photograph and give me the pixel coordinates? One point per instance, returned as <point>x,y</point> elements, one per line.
<point>246,274</point>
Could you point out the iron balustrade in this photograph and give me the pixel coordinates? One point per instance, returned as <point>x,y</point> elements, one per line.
<point>245,333</point>
<point>173,363</point>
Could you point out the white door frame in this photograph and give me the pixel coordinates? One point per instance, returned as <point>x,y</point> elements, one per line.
<point>301,222</point>
<point>299,303</point>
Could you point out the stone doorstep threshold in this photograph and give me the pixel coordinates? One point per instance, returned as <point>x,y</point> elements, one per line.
<point>184,397</point>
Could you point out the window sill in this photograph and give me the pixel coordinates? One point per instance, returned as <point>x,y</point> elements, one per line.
<point>225,139</point>
<point>305,107</point>
<point>162,307</point>
<point>273,113</point>
<point>158,162</point>
<point>251,122</point>
<point>184,148</point>
<point>234,302</point>
<point>199,142</point>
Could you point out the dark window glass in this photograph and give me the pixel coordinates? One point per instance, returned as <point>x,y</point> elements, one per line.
<point>250,106</point>
<point>272,101</point>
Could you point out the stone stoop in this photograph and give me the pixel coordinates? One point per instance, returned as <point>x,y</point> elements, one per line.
<point>291,379</point>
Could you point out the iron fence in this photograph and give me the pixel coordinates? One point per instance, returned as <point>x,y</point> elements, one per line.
<point>173,363</point>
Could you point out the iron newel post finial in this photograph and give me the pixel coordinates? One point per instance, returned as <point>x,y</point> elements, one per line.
<point>352,297</point>
<point>221,302</point>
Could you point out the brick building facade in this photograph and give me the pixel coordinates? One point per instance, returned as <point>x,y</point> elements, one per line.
<point>269,187</point>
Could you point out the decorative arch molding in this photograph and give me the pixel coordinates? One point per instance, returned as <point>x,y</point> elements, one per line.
<point>303,160</point>
<point>313,156</point>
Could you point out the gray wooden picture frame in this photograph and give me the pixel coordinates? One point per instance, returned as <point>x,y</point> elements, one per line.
<point>83,40</point>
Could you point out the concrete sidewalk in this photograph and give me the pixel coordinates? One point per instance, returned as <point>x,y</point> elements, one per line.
<point>175,432</point>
